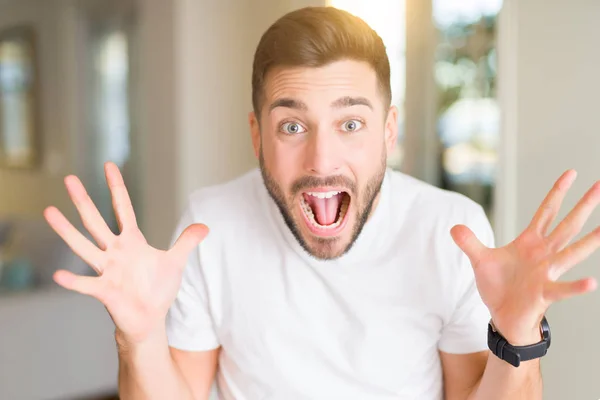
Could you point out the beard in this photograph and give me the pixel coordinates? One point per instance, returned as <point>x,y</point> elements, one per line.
<point>325,248</point>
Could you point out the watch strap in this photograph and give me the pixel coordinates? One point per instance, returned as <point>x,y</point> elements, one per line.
<point>514,355</point>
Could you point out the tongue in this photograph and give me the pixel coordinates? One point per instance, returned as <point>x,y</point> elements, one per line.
<point>325,210</point>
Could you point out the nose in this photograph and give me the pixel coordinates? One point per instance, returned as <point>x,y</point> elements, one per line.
<point>323,153</point>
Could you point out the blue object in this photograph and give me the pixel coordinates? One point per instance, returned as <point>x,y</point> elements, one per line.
<point>17,274</point>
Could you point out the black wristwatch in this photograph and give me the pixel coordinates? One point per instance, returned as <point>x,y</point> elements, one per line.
<point>515,354</point>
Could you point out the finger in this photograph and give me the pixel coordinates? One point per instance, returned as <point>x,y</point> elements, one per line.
<point>120,197</point>
<point>90,216</point>
<point>187,241</point>
<point>468,243</point>
<point>556,291</point>
<point>74,239</point>
<point>574,254</point>
<point>575,220</point>
<point>82,284</point>
<point>549,208</point>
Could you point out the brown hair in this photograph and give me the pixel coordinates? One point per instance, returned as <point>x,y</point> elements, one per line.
<point>314,37</point>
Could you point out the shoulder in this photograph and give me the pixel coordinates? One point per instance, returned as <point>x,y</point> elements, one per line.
<point>233,204</point>
<point>424,196</point>
<point>434,211</point>
<point>226,198</point>
<point>427,203</point>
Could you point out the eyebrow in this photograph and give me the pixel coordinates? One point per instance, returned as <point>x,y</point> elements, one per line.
<point>342,102</point>
<point>288,103</point>
<point>348,101</point>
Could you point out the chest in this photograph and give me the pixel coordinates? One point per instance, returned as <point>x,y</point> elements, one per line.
<point>378,325</point>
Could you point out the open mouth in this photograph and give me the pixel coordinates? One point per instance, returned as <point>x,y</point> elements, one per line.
<point>325,211</point>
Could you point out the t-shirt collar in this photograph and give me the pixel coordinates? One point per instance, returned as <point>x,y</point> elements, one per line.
<point>370,239</point>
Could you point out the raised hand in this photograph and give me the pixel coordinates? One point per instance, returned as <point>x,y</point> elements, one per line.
<point>518,282</point>
<point>136,282</point>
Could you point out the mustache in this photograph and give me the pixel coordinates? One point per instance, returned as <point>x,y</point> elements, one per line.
<point>307,182</point>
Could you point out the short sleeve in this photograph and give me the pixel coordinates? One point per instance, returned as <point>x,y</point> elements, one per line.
<point>189,324</point>
<point>466,329</point>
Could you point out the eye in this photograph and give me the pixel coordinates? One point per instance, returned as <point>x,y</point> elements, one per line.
<point>352,125</point>
<point>292,128</point>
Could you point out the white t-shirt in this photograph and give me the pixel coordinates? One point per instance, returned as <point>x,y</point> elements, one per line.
<point>368,325</point>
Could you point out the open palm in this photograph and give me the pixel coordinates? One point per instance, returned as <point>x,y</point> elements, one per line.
<point>518,282</point>
<point>136,282</point>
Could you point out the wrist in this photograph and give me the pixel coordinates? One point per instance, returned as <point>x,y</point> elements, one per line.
<point>520,337</point>
<point>519,345</point>
<point>126,341</point>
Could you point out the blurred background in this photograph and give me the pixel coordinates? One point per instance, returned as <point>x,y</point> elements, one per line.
<point>496,98</point>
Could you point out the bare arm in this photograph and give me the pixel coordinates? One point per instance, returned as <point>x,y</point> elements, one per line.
<point>151,370</point>
<point>484,376</point>
<point>503,381</point>
<point>198,369</point>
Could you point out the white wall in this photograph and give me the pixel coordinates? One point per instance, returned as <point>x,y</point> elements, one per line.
<point>214,50</point>
<point>551,96</point>
<point>55,345</point>
<point>157,133</point>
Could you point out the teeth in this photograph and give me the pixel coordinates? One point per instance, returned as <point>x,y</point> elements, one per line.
<point>340,216</point>
<point>323,195</point>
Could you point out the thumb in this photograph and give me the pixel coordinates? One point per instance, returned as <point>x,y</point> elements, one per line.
<point>468,243</point>
<point>87,285</point>
<point>191,237</point>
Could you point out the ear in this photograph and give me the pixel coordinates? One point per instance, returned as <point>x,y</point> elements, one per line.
<point>391,129</point>
<point>254,132</point>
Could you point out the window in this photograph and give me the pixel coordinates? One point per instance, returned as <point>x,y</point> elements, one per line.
<point>456,148</point>
<point>468,115</point>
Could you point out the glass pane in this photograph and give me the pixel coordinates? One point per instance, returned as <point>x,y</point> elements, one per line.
<point>17,116</point>
<point>387,18</point>
<point>109,125</point>
<point>468,112</point>
<point>112,107</point>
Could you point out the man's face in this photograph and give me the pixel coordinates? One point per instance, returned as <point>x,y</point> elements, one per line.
<point>323,141</point>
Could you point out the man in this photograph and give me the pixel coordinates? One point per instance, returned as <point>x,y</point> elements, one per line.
<point>326,275</point>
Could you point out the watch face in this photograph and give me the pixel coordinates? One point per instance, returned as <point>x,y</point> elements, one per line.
<point>546,332</point>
